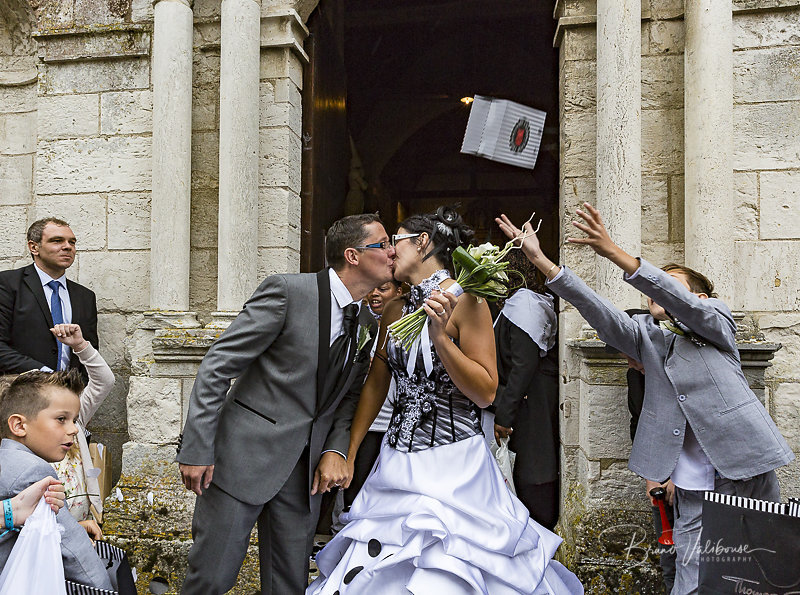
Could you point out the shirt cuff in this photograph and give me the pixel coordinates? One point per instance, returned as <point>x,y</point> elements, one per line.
<point>635,274</point>
<point>45,369</point>
<point>336,451</point>
<point>558,276</point>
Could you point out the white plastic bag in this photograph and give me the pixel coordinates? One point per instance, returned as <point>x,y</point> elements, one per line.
<point>35,565</point>
<point>505,460</point>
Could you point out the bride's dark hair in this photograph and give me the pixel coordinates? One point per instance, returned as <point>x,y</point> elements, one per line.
<point>446,231</point>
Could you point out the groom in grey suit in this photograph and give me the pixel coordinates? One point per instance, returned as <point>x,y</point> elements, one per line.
<point>262,451</point>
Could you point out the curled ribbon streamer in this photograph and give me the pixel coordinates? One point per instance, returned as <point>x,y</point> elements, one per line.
<point>424,341</point>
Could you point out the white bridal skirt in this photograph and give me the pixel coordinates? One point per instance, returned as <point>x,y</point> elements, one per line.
<point>440,521</point>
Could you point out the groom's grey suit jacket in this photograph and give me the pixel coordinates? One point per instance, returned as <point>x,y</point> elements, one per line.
<point>277,350</point>
<point>684,382</point>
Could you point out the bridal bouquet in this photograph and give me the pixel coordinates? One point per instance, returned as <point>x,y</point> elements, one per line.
<point>480,271</point>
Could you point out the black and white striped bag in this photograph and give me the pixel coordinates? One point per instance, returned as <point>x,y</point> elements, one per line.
<point>119,571</point>
<point>749,546</point>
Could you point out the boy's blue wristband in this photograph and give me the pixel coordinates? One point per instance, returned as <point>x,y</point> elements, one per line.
<point>8,514</point>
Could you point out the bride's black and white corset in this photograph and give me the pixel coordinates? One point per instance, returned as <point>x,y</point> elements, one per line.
<point>429,410</point>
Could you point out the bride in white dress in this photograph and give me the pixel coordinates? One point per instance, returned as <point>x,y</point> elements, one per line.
<point>435,516</point>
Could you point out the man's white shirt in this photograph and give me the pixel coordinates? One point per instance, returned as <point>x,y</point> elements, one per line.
<point>66,311</point>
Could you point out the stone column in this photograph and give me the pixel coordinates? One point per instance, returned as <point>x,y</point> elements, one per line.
<point>172,151</point>
<point>240,52</point>
<point>619,137</point>
<point>708,114</point>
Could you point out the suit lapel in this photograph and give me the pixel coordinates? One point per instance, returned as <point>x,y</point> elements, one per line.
<point>324,298</point>
<point>35,285</point>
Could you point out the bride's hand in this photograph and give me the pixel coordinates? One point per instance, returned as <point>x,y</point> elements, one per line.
<point>439,307</point>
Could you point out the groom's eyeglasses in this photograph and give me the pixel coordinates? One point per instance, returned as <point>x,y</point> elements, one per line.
<point>384,245</point>
<point>403,236</point>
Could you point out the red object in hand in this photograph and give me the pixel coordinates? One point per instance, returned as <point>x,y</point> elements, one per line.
<point>658,494</point>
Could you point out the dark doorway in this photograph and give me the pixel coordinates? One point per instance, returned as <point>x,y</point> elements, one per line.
<point>406,66</point>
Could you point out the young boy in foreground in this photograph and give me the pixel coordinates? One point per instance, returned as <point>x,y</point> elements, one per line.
<point>701,424</point>
<point>38,413</point>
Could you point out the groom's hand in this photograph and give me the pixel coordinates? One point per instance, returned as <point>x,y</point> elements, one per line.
<point>196,477</point>
<point>331,472</point>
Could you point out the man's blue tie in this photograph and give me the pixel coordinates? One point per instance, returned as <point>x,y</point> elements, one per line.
<point>57,313</point>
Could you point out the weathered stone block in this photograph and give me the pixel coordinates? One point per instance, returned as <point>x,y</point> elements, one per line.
<point>205,160</point>
<point>786,406</point>
<point>579,85</point>
<point>677,225</point>
<point>662,81</point>
<point>205,103</point>
<point>141,11</point>
<point>18,133</point>
<point>278,218</point>
<point>580,43</point>
<point>186,393</point>
<point>783,329</point>
<point>86,215</point>
<point>154,410</point>
<point>203,281</point>
<point>64,116</point>
<point>121,279</point>
<point>662,141</point>
<point>766,74</point>
<point>129,221</point>
<point>113,413</point>
<point>277,63</point>
<point>13,226</point>
<point>569,427</point>
<point>665,9</point>
<point>745,220</point>
<point>579,144</point>
<point>780,205</point>
<point>17,99</point>
<point>273,114</point>
<point>768,276</point>
<point>604,422</point>
<point>112,331</point>
<point>101,12</point>
<point>764,29</point>
<point>94,165</point>
<point>666,37</point>
<point>285,91</point>
<point>126,112</point>
<point>766,136</point>
<point>94,76</point>
<point>616,484</point>
<point>277,260</point>
<point>205,217</point>
<point>139,346</point>
<point>54,14</point>
<point>16,179</point>
<point>655,204</point>
<point>280,156</point>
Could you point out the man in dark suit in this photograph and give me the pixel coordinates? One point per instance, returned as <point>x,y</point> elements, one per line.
<point>35,298</point>
<point>262,451</point>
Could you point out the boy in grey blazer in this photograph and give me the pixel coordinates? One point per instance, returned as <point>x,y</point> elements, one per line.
<point>701,424</point>
<point>38,412</point>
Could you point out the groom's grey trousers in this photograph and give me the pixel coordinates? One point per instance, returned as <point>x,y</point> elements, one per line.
<point>221,527</point>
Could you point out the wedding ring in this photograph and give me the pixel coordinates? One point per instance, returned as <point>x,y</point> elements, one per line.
<point>440,313</point>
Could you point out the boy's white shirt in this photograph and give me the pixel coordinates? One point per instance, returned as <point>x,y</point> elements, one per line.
<point>694,470</point>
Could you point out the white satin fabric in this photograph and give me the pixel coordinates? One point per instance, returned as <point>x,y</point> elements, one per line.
<point>440,521</point>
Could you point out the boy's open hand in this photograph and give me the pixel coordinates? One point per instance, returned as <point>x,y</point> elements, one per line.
<point>598,238</point>
<point>530,245</point>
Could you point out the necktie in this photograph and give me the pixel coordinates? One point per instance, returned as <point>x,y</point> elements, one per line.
<point>57,314</point>
<point>339,348</point>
